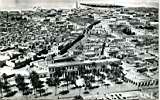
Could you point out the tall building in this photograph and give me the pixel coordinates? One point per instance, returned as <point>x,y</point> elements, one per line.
<point>77,5</point>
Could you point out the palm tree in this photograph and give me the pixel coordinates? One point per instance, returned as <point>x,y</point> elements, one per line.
<point>40,87</point>
<point>57,74</point>
<point>87,72</point>
<point>1,88</point>
<point>34,80</point>
<point>4,76</point>
<point>94,72</point>
<point>94,64</point>
<point>22,86</point>
<point>36,83</point>
<point>157,82</point>
<point>50,82</point>
<point>57,82</point>
<point>73,76</point>
<point>6,86</point>
<point>104,67</point>
<point>67,80</point>
<point>80,70</point>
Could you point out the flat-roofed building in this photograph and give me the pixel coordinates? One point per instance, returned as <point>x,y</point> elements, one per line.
<point>76,66</point>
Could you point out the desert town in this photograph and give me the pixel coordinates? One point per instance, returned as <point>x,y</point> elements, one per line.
<point>79,54</point>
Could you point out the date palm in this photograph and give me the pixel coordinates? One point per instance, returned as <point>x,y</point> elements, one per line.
<point>1,88</point>
<point>22,86</point>
<point>36,83</point>
<point>6,86</point>
<point>57,82</point>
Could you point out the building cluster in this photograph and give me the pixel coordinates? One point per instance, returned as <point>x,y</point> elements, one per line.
<point>122,47</point>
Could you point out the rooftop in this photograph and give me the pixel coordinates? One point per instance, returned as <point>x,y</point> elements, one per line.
<point>82,62</point>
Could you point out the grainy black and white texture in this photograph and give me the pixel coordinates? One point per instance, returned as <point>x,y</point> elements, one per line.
<point>79,50</point>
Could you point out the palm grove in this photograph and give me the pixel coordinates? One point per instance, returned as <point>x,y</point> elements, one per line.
<point>38,86</point>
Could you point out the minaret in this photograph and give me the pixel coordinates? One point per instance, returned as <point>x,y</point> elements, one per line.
<point>114,2</point>
<point>77,4</point>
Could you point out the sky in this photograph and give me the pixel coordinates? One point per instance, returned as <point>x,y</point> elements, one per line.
<point>130,3</point>
<point>26,4</point>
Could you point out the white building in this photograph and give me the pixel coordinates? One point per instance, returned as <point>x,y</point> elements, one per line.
<point>54,49</point>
